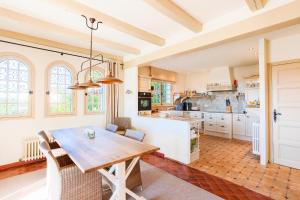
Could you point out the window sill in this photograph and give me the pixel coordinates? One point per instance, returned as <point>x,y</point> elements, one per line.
<point>94,113</point>
<point>61,115</point>
<point>17,117</point>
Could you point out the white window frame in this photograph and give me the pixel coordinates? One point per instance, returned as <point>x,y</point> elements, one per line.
<point>87,77</point>
<point>74,96</point>
<point>28,63</point>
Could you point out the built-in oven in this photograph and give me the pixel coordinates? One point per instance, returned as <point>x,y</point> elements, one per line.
<point>144,101</point>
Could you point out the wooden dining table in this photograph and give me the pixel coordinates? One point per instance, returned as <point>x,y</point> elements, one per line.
<point>107,149</point>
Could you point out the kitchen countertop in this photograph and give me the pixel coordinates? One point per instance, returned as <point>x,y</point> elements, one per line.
<point>177,118</point>
<point>209,111</point>
<point>215,111</point>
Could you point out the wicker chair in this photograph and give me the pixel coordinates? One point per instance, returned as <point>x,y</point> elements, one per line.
<point>112,128</point>
<point>44,137</point>
<point>66,182</point>
<point>56,150</point>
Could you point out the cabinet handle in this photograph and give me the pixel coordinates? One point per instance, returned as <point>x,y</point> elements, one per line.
<point>210,118</point>
<point>222,118</point>
<point>210,124</point>
<point>222,126</point>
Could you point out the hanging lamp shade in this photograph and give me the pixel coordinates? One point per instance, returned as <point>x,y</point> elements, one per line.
<point>109,79</point>
<point>89,84</point>
<point>76,86</point>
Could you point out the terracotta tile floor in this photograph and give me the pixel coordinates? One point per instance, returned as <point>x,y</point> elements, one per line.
<point>232,160</point>
<point>211,183</point>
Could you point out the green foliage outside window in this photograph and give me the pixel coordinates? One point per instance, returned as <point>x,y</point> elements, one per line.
<point>95,97</point>
<point>156,96</point>
<point>162,93</point>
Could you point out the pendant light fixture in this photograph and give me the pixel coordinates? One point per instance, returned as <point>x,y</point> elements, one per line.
<point>110,79</point>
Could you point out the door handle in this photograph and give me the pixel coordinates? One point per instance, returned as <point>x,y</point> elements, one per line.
<point>275,113</point>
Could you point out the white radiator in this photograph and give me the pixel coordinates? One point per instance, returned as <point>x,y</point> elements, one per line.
<point>255,138</point>
<point>31,149</point>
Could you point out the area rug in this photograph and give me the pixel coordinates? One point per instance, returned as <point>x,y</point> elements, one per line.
<point>157,185</point>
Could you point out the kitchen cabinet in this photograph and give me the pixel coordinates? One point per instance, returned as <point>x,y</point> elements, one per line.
<point>243,124</point>
<point>239,124</point>
<point>218,124</point>
<point>196,114</point>
<point>144,84</point>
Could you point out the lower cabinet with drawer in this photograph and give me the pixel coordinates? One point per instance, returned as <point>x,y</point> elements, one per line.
<point>239,127</point>
<point>218,124</point>
<point>242,125</point>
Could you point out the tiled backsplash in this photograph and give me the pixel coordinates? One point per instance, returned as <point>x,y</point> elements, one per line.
<point>216,102</point>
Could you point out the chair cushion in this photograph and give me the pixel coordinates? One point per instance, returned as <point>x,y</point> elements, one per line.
<point>112,127</point>
<point>134,134</point>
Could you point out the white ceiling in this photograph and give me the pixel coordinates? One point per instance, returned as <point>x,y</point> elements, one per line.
<point>212,13</point>
<point>234,54</point>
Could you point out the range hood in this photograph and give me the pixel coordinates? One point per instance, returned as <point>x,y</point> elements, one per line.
<point>220,79</point>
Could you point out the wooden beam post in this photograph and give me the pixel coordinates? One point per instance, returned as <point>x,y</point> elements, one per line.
<point>264,134</point>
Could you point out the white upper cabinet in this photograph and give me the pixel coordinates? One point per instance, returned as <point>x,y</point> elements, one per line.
<point>144,84</point>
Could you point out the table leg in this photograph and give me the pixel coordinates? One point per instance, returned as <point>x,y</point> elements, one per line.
<point>119,179</point>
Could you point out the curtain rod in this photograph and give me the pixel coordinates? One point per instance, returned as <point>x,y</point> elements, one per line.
<point>49,50</point>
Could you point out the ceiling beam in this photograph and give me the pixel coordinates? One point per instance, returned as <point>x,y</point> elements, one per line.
<point>53,44</point>
<point>281,17</point>
<point>176,13</point>
<point>81,9</point>
<point>50,27</point>
<point>255,5</point>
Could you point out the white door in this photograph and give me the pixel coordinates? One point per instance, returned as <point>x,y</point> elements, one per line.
<point>286,102</point>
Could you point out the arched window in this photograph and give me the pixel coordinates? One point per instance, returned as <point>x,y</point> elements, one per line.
<point>61,100</point>
<point>15,87</point>
<point>95,97</point>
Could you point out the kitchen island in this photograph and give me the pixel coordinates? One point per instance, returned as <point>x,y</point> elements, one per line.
<point>176,136</point>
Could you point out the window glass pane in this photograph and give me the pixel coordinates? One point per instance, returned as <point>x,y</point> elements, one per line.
<point>23,98</point>
<point>156,97</point>
<point>3,97</point>
<point>3,85</point>
<point>60,97</point>
<point>95,96</point>
<point>14,88</point>
<point>12,97</point>
<point>162,92</point>
<point>12,109</point>
<point>3,110</point>
<point>23,76</point>
<point>23,108</point>
<point>166,93</point>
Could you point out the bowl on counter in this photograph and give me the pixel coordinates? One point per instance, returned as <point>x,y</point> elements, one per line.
<point>163,114</point>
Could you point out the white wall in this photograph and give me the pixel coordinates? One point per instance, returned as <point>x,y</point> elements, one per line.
<point>197,81</point>
<point>131,92</point>
<point>239,73</point>
<point>285,48</point>
<point>13,132</point>
<point>179,86</point>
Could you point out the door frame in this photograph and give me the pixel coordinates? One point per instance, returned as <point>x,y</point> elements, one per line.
<point>271,106</point>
